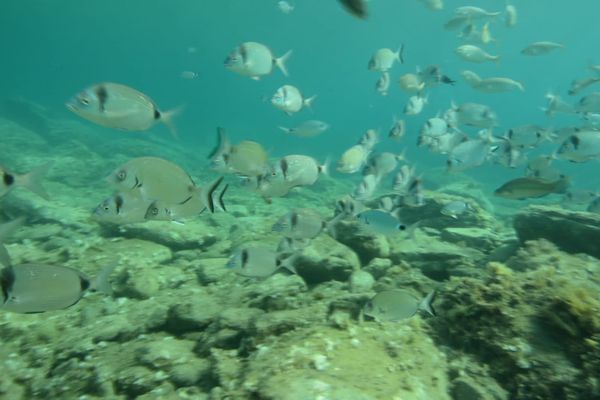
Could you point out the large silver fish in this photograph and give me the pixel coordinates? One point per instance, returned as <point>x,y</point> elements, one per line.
<point>398,304</point>
<point>255,60</point>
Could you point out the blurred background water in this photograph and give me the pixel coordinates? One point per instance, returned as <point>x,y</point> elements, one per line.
<point>53,49</point>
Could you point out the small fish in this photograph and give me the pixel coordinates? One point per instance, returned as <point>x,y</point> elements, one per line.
<point>594,206</point>
<point>541,167</point>
<point>191,207</point>
<point>358,8</point>
<point>557,105</point>
<point>445,143</point>
<point>258,262</point>
<point>35,288</point>
<point>31,180</point>
<point>369,139</point>
<point>455,208</point>
<point>474,54</point>
<point>366,188</point>
<point>383,163</point>
<point>121,209</point>
<point>456,23</point>
<point>402,179</point>
<point>475,114</point>
<point>297,170</point>
<point>471,78</point>
<point>353,159</point>
<point>511,16</point>
<point>414,194</point>
<point>529,135</point>
<point>398,129</point>
<point>117,106</point>
<point>475,12</point>
<point>525,188</point>
<point>285,7</point>
<point>383,59</point>
<point>246,158</point>
<point>383,84</point>
<point>153,178</point>
<point>469,154</point>
<point>255,60</point>
<point>579,196</point>
<point>497,85</point>
<point>434,127</point>
<point>486,36</point>
<point>589,103</point>
<point>348,205</point>
<point>435,5</point>
<point>541,48</point>
<point>397,305</point>
<point>309,128</point>
<point>415,105</point>
<point>301,223</point>
<point>289,99</point>
<point>411,83</point>
<point>580,84</point>
<point>6,231</point>
<point>580,147</point>
<point>508,154</point>
<point>432,75</point>
<point>189,75</point>
<point>379,221</point>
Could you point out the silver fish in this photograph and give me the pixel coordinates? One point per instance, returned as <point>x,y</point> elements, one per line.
<point>31,180</point>
<point>34,288</point>
<point>120,107</point>
<point>297,170</point>
<point>366,188</point>
<point>121,208</point>
<point>398,129</point>
<point>255,60</point>
<point>382,222</point>
<point>258,262</point>
<point>415,105</point>
<point>541,48</point>
<point>290,100</point>
<point>383,84</point>
<point>469,154</point>
<point>580,147</point>
<point>455,208</point>
<point>396,305</point>
<point>308,128</point>
<point>383,59</point>
<point>301,223</point>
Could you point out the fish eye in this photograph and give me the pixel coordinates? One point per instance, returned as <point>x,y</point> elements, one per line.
<point>154,211</point>
<point>402,227</point>
<point>121,175</point>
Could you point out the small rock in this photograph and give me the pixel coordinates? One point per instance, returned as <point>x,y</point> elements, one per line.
<point>361,281</point>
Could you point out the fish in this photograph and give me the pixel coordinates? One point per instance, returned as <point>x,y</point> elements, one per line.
<point>557,105</point>
<point>189,75</point>
<point>415,105</point>
<point>511,16</point>
<point>475,12</point>
<point>398,129</point>
<point>121,208</point>
<point>471,78</point>
<point>402,179</point>
<point>308,128</point>
<point>580,147</point>
<point>219,156</point>
<point>248,158</point>
<point>594,206</point>
<point>381,222</point>
<point>455,208</point>
<point>444,144</point>
<point>383,84</point>
<point>398,304</point>
<point>529,135</point>
<point>469,154</point>
<point>258,262</point>
<point>475,114</point>
<point>414,196</point>
<point>353,159</point>
<point>456,22</point>
<point>383,59</point>
<point>369,139</point>
<point>474,54</point>
<point>367,186</point>
<point>382,163</point>
<point>432,75</point>
<point>289,99</point>
<point>6,231</point>
<point>35,288</point>
<point>358,8</point>
<point>497,85</point>
<point>31,180</point>
<point>541,167</point>
<point>528,187</point>
<point>285,7</point>
<point>485,35</point>
<point>433,127</point>
<point>255,60</point>
<point>508,154</point>
<point>589,103</point>
<point>191,207</point>
<point>541,48</point>
<point>121,107</point>
<point>302,223</point>
<point>579,196</point>
<point>580,84</point>
<point>435,5</point>
<point>153,178</point>
<point>297,170</point>
<point>411,83</point>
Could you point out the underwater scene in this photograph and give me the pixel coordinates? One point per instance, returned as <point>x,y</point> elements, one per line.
<point>300,200</point>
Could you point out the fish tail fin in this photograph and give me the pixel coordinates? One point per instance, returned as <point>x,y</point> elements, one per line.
<point>167,119</point>
<point>402,156</point>
<point>221,197</point>
<point>324,168</point>
<point>309,102</point>
<point>427,304</point>
<point>286,130</point>
<point>280,62</point>
<point>33,180</point>
<point>207,194</point>
<point>287,262</point>
<point>496,59</point>
<point>101,283</point>
<point>400,53</point>
<point>223,144</point>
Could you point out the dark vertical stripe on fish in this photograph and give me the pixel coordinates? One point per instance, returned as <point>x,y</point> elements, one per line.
<point>8,179</point>
<point>102,95</point>
<point>7,280</point>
